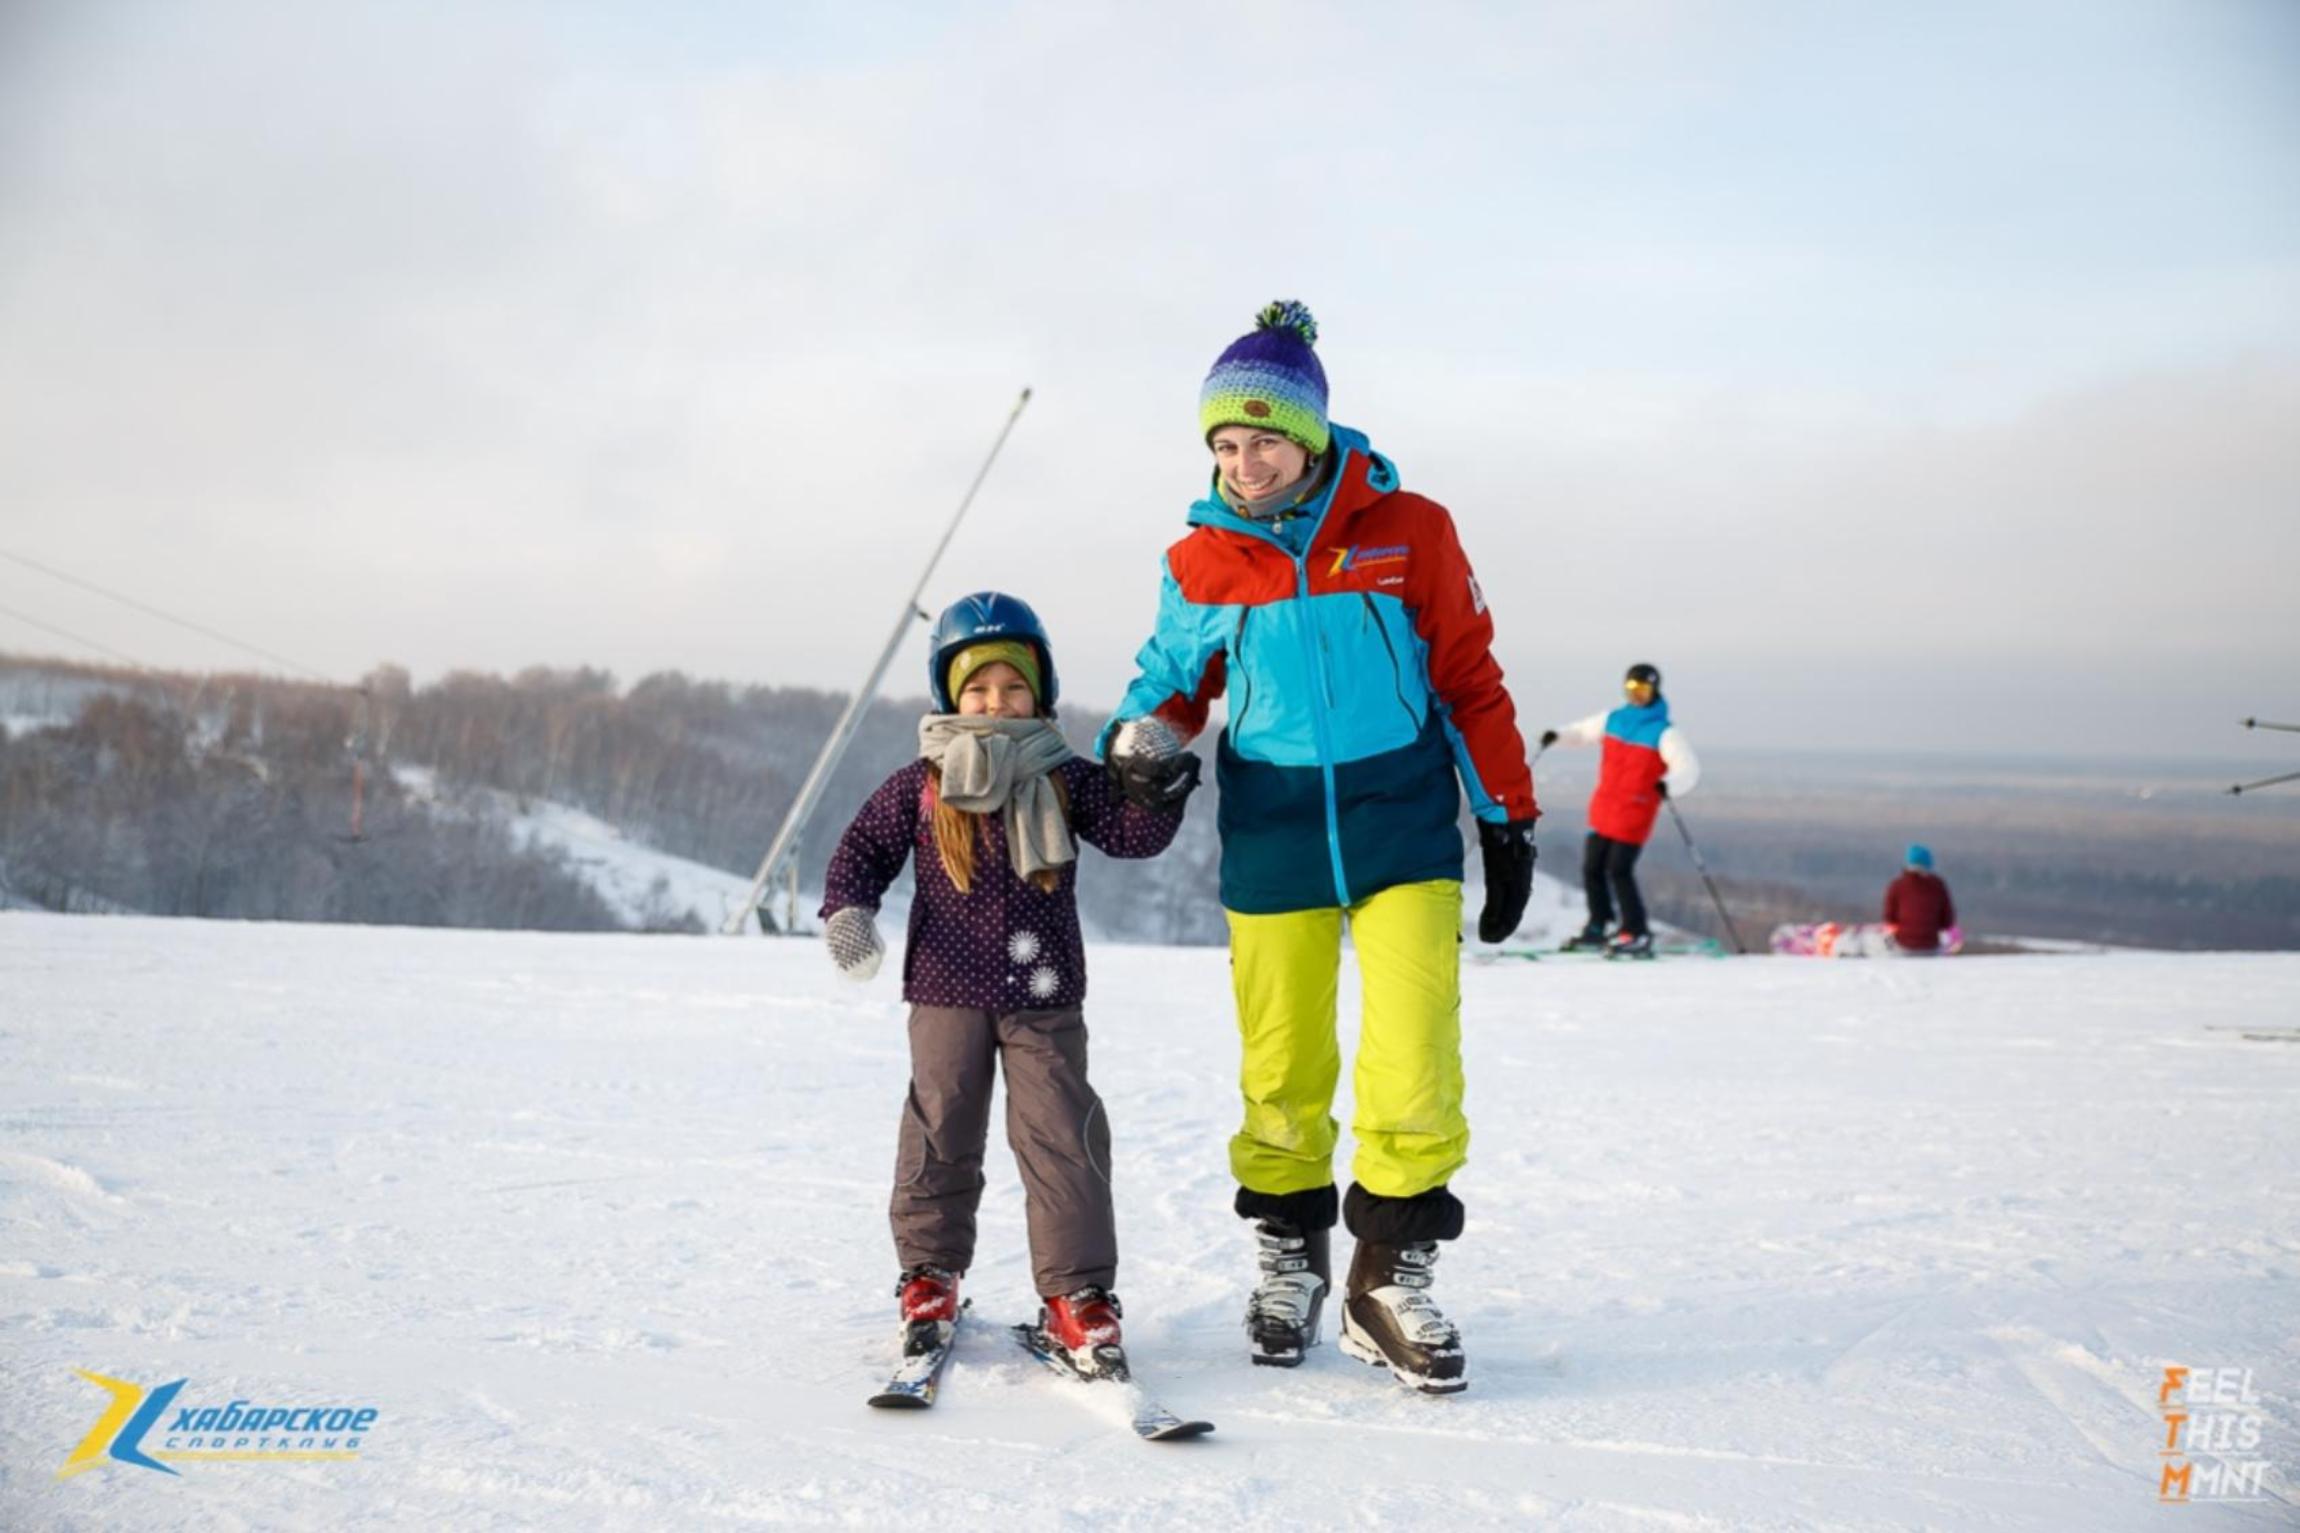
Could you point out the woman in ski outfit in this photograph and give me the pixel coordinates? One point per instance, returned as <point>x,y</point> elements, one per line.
<point>1644,759</point>
<point>1338,615</point>
<point>994,971</point>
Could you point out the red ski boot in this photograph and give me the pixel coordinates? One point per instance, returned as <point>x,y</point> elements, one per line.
<point>1083,1328</point>
<point>929,1307</point>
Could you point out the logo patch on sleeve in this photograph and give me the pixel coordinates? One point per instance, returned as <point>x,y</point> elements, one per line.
<point>1358,558</point>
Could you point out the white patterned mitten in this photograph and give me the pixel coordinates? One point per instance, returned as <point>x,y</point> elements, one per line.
<point>852,936</point>
<point>1151,737</point>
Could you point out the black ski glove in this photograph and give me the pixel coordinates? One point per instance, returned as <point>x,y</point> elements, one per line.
<point>1156,784</point>
<point>1548,738</point>
<point>1150,766</point>
<point>1509,856</point>
<point>1661,786</point>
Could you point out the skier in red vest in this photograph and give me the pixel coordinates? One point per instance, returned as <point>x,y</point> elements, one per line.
<point>1645,759</point>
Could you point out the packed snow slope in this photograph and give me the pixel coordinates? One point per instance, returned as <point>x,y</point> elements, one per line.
<point>596,1225</point>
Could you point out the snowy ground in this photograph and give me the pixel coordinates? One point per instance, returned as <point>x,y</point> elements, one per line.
<point>595,1222</point>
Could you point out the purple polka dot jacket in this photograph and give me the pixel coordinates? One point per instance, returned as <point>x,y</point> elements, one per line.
<point>1008,945</point>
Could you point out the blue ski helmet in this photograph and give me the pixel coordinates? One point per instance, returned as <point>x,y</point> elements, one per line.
<point>970,620</point>
<point>1919,856</point>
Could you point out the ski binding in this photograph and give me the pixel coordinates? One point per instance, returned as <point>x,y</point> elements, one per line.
<point>926,1349</point>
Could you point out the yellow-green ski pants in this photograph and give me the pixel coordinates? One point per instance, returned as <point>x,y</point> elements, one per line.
<point>1285,970</point>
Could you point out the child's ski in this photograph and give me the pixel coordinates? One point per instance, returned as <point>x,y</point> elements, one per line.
<point>1151,1421</point>
<point>925,1352</point>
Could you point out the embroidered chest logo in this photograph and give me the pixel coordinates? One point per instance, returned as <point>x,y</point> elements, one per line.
<point>1362,557</point>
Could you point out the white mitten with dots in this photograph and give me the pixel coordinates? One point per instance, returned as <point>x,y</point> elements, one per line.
<point>852,936</point>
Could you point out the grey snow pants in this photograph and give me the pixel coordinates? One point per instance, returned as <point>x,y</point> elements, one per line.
<point>1054,1124</point>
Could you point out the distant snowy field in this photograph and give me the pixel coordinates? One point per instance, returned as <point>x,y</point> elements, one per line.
<point>596,1223</point>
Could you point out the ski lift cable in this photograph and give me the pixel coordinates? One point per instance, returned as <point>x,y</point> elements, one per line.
<point>2265,782</point>
<point>818,776</point>
<point>65,633</point>
<point>167,617</point>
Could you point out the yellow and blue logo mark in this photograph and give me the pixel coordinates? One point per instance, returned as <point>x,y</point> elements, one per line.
<point>1359,557</point>
<point>235,1431</point>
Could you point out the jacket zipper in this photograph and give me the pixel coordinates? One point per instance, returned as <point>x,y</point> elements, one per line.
<point>1246,691</point>
<point>1397,671</point>
<point>1310,653</point>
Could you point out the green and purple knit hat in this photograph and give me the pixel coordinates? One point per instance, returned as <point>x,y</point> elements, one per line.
<point>1270,378</point>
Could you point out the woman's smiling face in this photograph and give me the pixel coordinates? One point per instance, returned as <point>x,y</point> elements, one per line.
<point>1255,463</point>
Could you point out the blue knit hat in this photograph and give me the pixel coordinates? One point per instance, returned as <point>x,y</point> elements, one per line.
<point>1920,856</point>
<point>1270,378</point>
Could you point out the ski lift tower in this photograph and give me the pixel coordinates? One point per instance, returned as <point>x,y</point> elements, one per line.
<point>784,849</point>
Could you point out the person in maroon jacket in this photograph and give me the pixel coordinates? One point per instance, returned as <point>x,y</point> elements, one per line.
<point>1917,904</point>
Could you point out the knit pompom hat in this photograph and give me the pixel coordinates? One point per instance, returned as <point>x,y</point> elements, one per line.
<point>1270,378</point>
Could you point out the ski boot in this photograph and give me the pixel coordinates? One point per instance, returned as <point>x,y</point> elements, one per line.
<point>1297,1272</point>
<point>1628,945</point>
<point>1389,1320</point>
<point>1081,1330</point>
<point>929,1298</point>
<point>1589,939</point>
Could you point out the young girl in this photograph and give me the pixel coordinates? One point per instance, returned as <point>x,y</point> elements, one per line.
<point>994,969</point>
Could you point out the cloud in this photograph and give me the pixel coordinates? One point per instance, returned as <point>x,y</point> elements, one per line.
<point>668,339</point>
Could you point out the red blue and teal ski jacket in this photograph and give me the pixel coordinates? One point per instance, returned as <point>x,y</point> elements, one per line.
<point>1353,645</point>
<point>1638,747</point>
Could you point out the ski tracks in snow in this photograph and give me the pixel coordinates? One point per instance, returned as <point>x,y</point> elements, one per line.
<point>599,1223</point>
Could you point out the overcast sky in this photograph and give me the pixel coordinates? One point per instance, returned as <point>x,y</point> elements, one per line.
<point>1893,376</point>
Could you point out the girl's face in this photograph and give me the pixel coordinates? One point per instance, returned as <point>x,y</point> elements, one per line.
<point>999,691</point>
<point>1255,463</point>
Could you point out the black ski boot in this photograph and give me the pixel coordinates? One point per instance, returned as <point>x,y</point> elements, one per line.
<point>1590,939</point>
<point>1390,1321</point>
<point>1297,1273</point>
<point>1630,945</point>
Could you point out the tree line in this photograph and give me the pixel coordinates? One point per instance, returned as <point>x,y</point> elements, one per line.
<point>231,794</point>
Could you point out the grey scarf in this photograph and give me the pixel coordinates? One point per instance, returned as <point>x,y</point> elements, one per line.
<point>992,764</point>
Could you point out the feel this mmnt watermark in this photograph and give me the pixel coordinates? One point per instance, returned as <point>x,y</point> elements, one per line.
<point>2211,1444</point>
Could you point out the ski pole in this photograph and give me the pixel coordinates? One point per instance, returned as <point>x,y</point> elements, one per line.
<point>1703,868</point>
<point>2265,782</point>
<point>818,777</point>
<point>2290,729</point>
